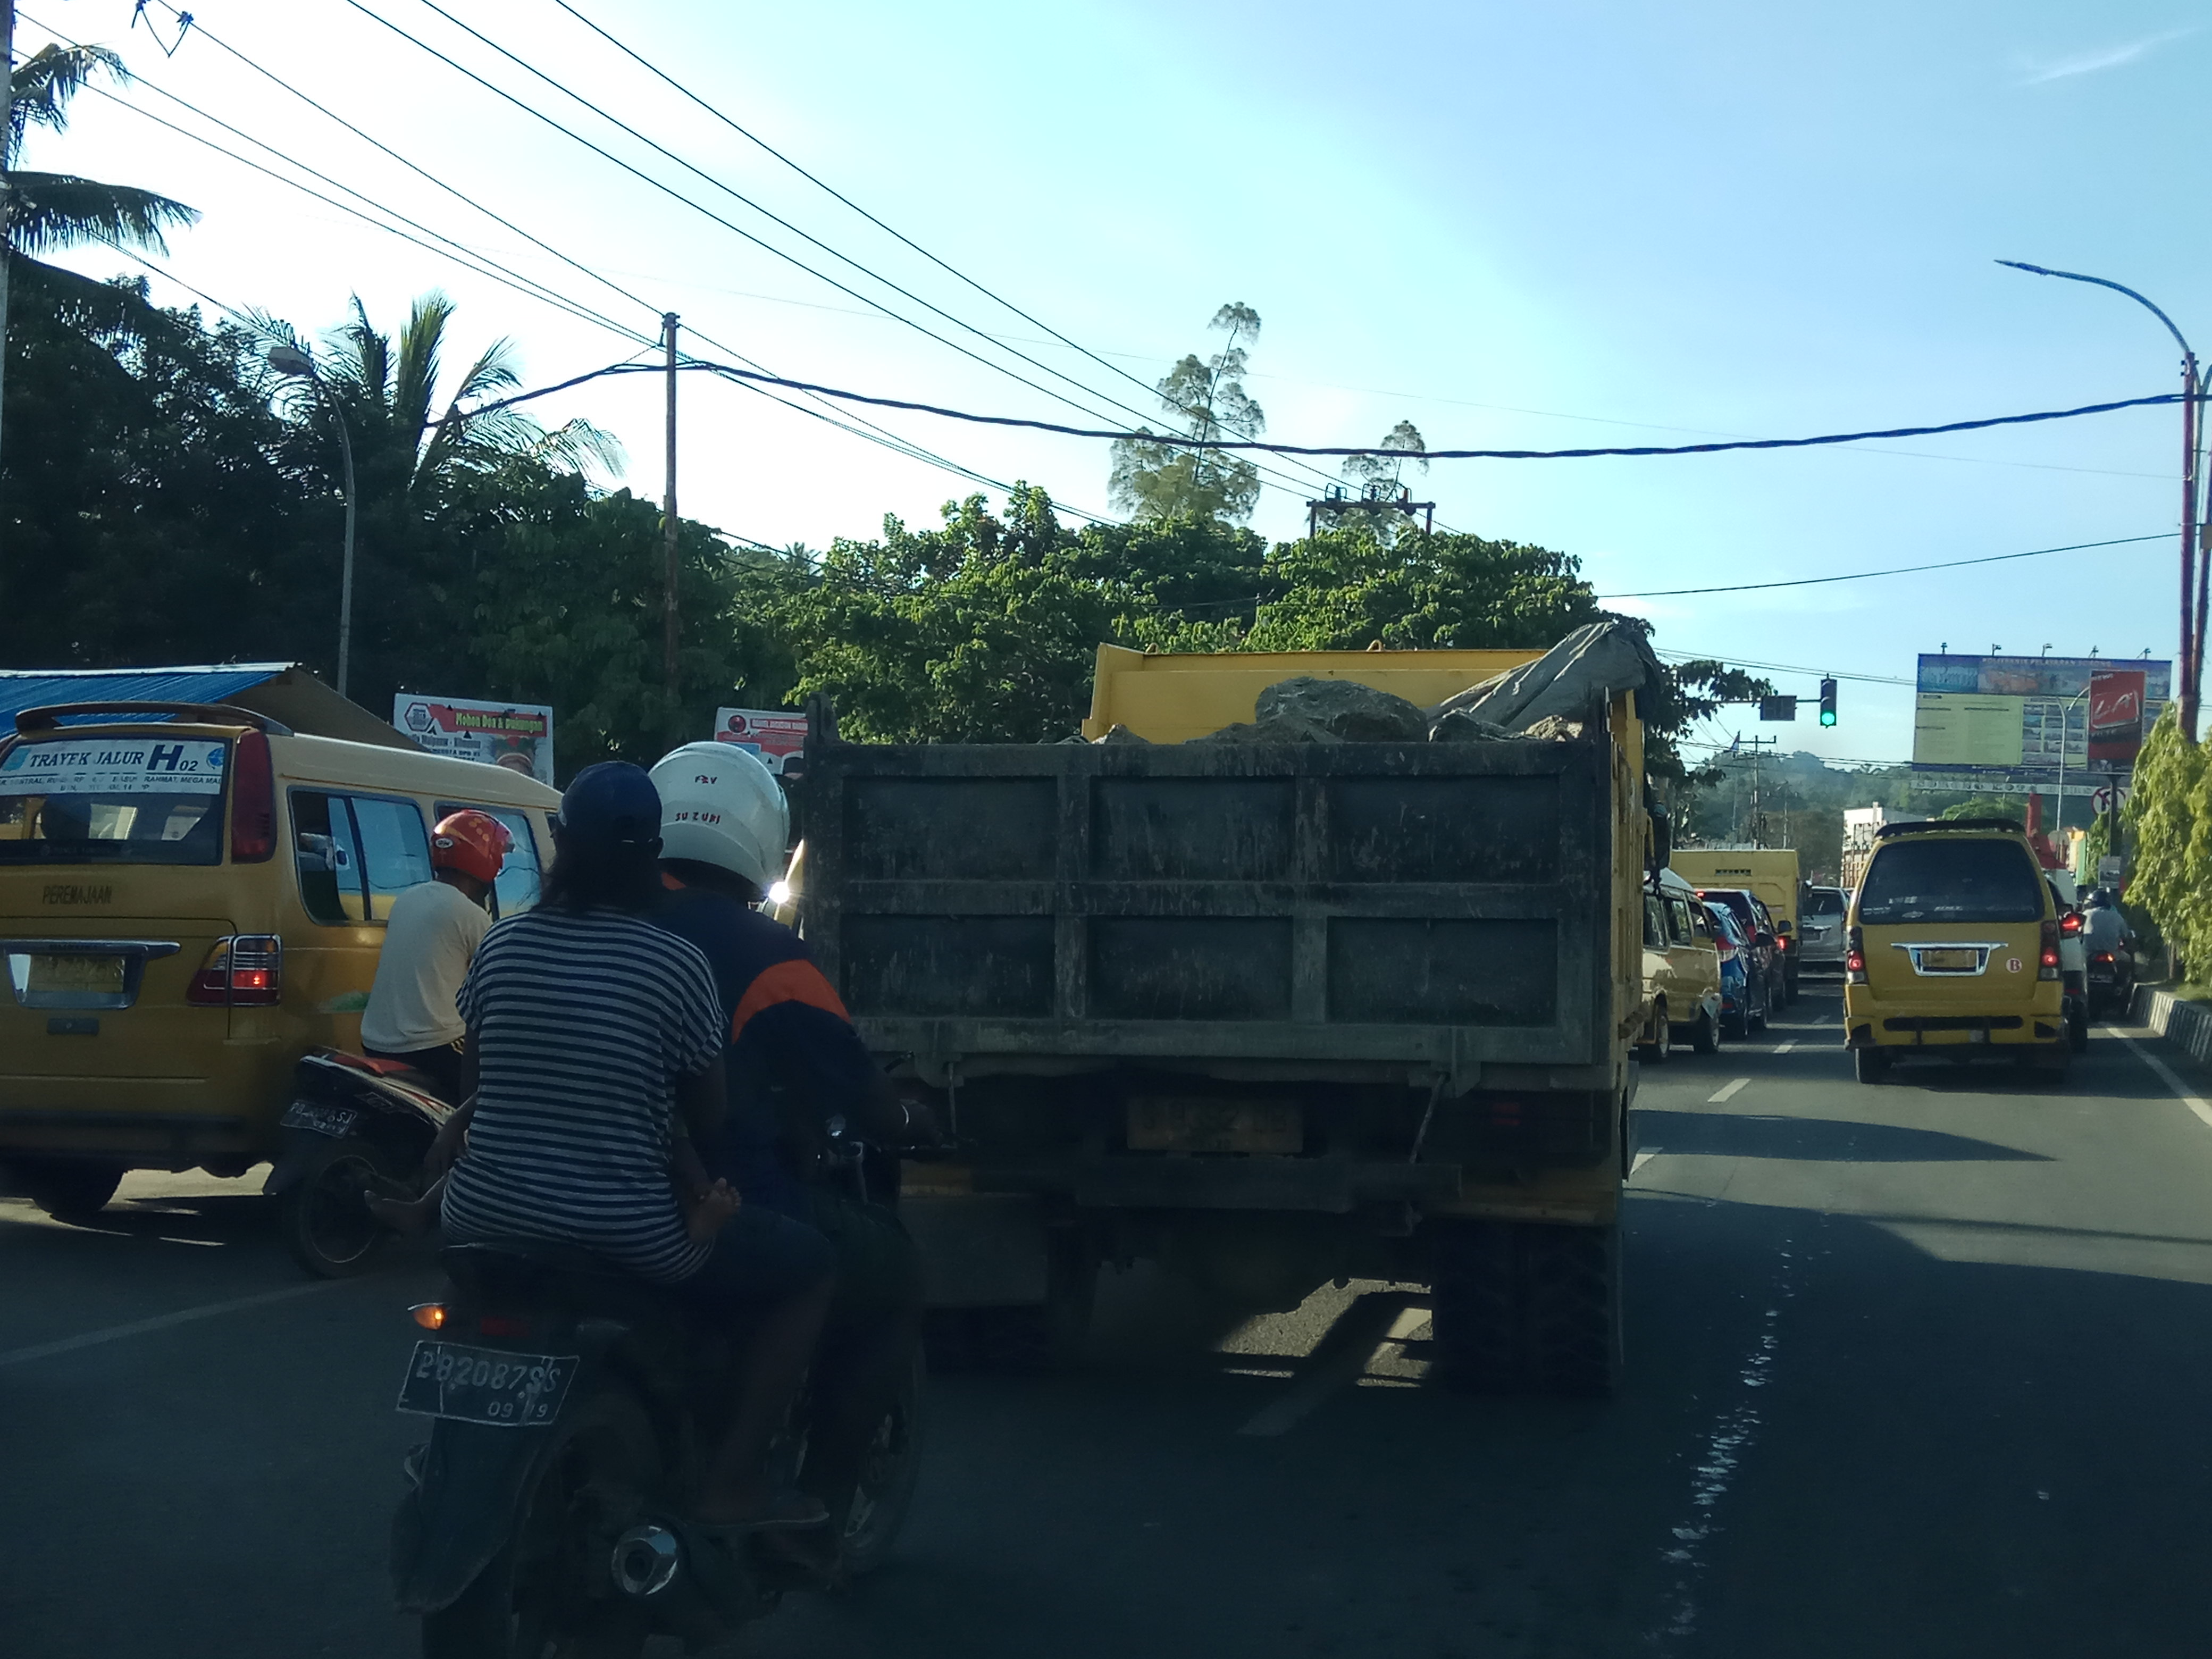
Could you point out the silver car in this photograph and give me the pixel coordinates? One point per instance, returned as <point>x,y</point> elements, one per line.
<point>1820,915</point>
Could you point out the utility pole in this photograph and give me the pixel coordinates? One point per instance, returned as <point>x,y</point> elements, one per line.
<point>2192,630</point>
<point>670,625</point>
<point>1758,817</point>
<point>7,193</point>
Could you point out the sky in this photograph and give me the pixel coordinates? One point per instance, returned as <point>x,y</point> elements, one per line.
<point>1577,224</point>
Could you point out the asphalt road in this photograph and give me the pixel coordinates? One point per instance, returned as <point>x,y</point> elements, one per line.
<point>1915,1370</point>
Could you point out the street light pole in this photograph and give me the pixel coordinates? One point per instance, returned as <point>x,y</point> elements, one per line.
<point>2193,603</point>
<point>290,359</point>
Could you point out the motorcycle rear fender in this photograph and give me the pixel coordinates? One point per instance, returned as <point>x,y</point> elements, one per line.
<point>464,1510</point>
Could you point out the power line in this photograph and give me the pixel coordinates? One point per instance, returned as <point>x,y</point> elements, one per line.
<point>1896,570</point>
<point>884,437</point>
<point>654,69</point>
<point>737,195</point>
<point>1780,667</point>
<point>1453,454</point>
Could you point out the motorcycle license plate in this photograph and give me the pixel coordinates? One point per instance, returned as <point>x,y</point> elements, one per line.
<point>486,1385</point>
<point>336,1121</point>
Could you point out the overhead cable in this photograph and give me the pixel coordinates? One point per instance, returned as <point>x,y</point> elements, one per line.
<point>1894,570</point>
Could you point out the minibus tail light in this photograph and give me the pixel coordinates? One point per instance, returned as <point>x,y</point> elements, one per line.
<point>2050,965</point>
<point>245,971</point>
<point>1855,959</point>
<point>253,800</point>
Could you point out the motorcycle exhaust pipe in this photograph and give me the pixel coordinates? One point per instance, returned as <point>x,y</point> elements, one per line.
<point>646,1560</point>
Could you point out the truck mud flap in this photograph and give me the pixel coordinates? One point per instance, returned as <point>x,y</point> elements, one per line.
<point>461,1510</point>
<point>292,1156</point>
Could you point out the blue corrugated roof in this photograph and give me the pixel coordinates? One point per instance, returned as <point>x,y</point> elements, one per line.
<point>35,688</point>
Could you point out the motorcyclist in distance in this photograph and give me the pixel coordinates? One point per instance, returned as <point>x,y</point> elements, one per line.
<point>795,1066</point>
<point>430,940</point>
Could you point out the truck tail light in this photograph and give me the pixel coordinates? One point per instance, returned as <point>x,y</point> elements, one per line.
<point>245,971</point>
<point>1855,959</point>
<point>2050,968</point>
<point>253,800</point>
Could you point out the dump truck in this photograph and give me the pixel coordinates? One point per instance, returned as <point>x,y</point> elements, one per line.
<point>1771,872</point>
<point>1275,1013</point>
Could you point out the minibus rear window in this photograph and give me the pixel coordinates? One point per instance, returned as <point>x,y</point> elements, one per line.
<point>113,801</point>
<point>1974,879</point>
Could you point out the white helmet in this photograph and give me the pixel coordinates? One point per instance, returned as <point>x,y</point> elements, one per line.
<point>720,806</point>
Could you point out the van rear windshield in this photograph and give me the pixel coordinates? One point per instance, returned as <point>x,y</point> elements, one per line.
<point>113,801</point>
<point>1824,901</point>
<point>1968,879</point>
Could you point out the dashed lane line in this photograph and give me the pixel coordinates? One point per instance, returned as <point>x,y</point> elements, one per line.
<point>1727,1092</point>
<point>2165,1074</point>
<point>161,1322</point>
<point>1642,1159</point>
<point>1783,1048</point>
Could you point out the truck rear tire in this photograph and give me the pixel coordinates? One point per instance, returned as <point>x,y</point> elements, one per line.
<point>1528,1307</point>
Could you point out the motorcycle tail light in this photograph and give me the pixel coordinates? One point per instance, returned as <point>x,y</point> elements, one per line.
<point>2102,956</point>
<point>503,1325</point>
<point>2050,965</point>
<point>430,1315</point>
<point>2070,923</point>
<point>245,971</point>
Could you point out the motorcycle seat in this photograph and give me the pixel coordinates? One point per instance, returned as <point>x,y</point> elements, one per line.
<point>539,1268</point>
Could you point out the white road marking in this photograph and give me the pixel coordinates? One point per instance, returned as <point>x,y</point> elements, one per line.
<point>2165,1074</point>
<point>1642,1159</point>
<point>1298,1403</point>
<point>161,1322</point>
<point>1783,1048</point>
<point>1727,1093</point>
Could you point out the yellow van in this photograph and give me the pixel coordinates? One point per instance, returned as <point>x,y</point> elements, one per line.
<point>191,897</point>
<point>1772,873</point>
<point>1681,970</point>
<point>1953,949</point>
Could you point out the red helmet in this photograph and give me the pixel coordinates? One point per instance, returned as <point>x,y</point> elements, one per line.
<point>475,843</point>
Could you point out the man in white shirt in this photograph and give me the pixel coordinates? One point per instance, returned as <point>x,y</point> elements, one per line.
<point>430,940</point>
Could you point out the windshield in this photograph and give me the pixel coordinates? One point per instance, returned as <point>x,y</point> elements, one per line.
<point>1825,902</point>
<point>113,801</point>
<point>1977,879</point>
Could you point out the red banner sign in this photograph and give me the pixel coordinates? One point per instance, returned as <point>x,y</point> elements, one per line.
<point>2116,714</point>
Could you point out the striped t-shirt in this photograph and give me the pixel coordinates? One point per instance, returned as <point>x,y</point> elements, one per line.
<point>584,1023</point>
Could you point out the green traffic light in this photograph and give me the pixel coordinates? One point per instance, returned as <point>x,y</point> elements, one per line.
<point>1827,717</point>
<point>1827,701</point>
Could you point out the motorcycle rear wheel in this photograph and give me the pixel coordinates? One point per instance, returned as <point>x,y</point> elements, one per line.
<point>327,1228</point>
<point>533,1600</point>
<point>888,1478</point>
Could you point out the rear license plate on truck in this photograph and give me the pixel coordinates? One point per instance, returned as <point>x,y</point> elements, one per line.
<point>1202,1123</point>
<point>485,1385</point>
<point>101,974</point>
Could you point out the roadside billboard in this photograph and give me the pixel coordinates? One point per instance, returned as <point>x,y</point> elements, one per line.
<point>2000,722</point>
<point>776,735</point>
<point>516,735</point>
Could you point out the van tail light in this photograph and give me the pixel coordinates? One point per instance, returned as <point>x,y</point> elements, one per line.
<point>245,971</point>
<point>1855,959</point>
<point>2070,923</point>
<point>2050,968</point>
<point>253,800</point>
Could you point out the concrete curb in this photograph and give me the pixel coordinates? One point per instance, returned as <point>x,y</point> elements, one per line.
<point>2187,1025</point>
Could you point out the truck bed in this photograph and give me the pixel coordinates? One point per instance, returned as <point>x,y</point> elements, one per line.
<point>1401,912</point>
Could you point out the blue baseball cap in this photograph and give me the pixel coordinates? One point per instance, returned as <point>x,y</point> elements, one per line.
<point>610,805</point>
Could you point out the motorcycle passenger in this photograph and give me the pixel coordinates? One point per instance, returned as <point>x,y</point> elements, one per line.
<point>795,1065</point>
<point>430,941</point>
<point>2103,926</point>
<point>598,1044</point>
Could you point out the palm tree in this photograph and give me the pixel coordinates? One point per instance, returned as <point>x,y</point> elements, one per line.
<point>389,394</point>
<point>45,212</point>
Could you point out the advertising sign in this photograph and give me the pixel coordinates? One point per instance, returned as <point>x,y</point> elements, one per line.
<point>516,735</point>
<point>776,735</point>
<point>2019,720</point>
<point>2116,714</point>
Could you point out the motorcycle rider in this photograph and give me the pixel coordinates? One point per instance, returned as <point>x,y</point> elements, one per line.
<point>2104,931</point>
<point>598,1038</point>
<point>795,1066</point>
<point>430,941</point>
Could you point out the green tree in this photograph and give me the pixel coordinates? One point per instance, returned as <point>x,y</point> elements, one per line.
<point>2169,818</point>
<point>1207,398</point>
<point>1382,478</point>
<point>51,211</point>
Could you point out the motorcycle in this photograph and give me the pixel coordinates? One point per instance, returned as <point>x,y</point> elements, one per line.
<point>2111,980</point>
<point>354,1124</point>
<point>572,1409</point>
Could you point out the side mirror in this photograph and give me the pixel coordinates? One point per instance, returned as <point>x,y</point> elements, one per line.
<point>1763,938</point>
<point>1781,927</point>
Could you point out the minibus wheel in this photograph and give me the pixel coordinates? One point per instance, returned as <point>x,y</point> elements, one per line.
<point>67,1188</point>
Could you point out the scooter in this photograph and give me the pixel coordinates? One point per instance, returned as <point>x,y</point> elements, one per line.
<point>2111,979</point>
<point>571,1408</point>
<point>354,1124</point>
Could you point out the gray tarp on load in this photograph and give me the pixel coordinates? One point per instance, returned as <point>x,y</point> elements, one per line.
<point>1582,671</point>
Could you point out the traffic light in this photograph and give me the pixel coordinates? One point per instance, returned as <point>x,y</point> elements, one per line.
<point>1828,702</point>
